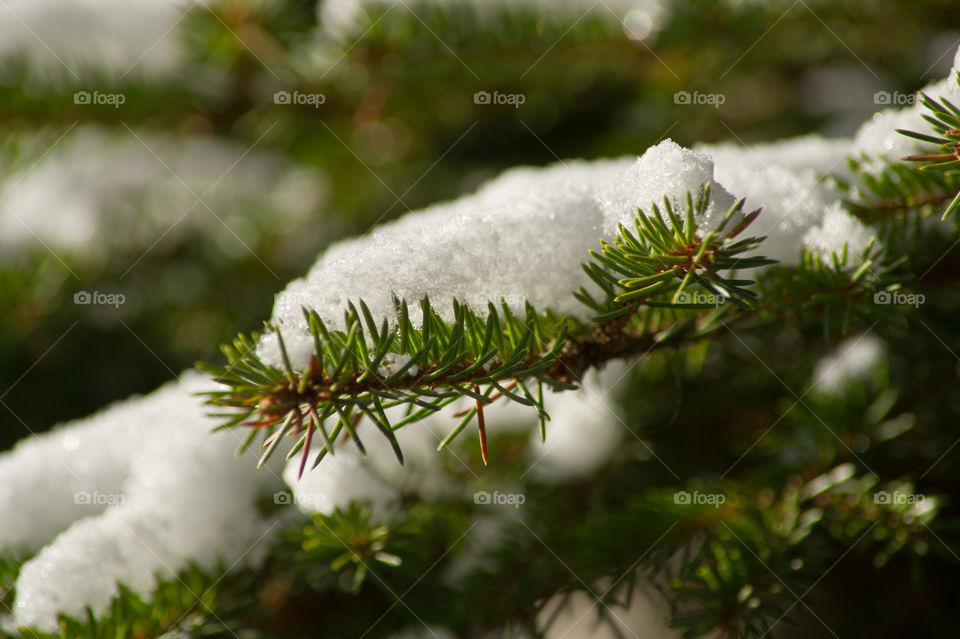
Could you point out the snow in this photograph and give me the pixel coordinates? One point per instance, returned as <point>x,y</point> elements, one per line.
<point>143,487</point>
<point>520,237</point>
<point>94,181</point>
<point>92,38</point>
<point>812,152</point>
<point>838,227</point>
<point>878,139</point>
<point>669,172</point>
<point>378,477</point>
<point>801,209</point>
<point>89,457</point>
<point>856,359</point>
<point>139,489</point>
<point>575,614</point>
<point>585,430</point>
<point>350,18</point>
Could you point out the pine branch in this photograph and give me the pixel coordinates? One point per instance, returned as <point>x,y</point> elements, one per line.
<point>885,193</point>
<point>347,380</point>
<point>897,191</point>
<point>663,283</point>
<point>751,556</point>
<point>195,601</point>
<point>834,292</point>
<point>944,119</point>
<point>667,258</point>
<point>345,541</point>
<point>732,555</point>
<point>9,570</point>
<point>660,284</point>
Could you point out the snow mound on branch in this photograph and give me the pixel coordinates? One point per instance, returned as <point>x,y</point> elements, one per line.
<point>641,614</point>
<point>668,173</point>
<point>90,455</point>
<point>813,152</point>
<point>838,227</point>
<point>801,207</point>
<point>139,489</point>
<point>520,237</point>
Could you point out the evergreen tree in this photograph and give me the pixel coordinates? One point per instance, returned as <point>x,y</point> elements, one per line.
<point>703,389</point>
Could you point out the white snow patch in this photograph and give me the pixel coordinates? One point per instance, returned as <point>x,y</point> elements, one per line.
<point>376,477</point>
<point>878,138</point>
<point>665,171</point>
<point>77,38</point>
<point>855,359</point>
<point>812,152</point>
<point>800,208</point>
<point>574,615</point>
<point>520,237</point>
<point>585,428</point>
<point>147,488</point>
<point>584,431</point>
<point>157,186</point>
<point>839,227</point>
